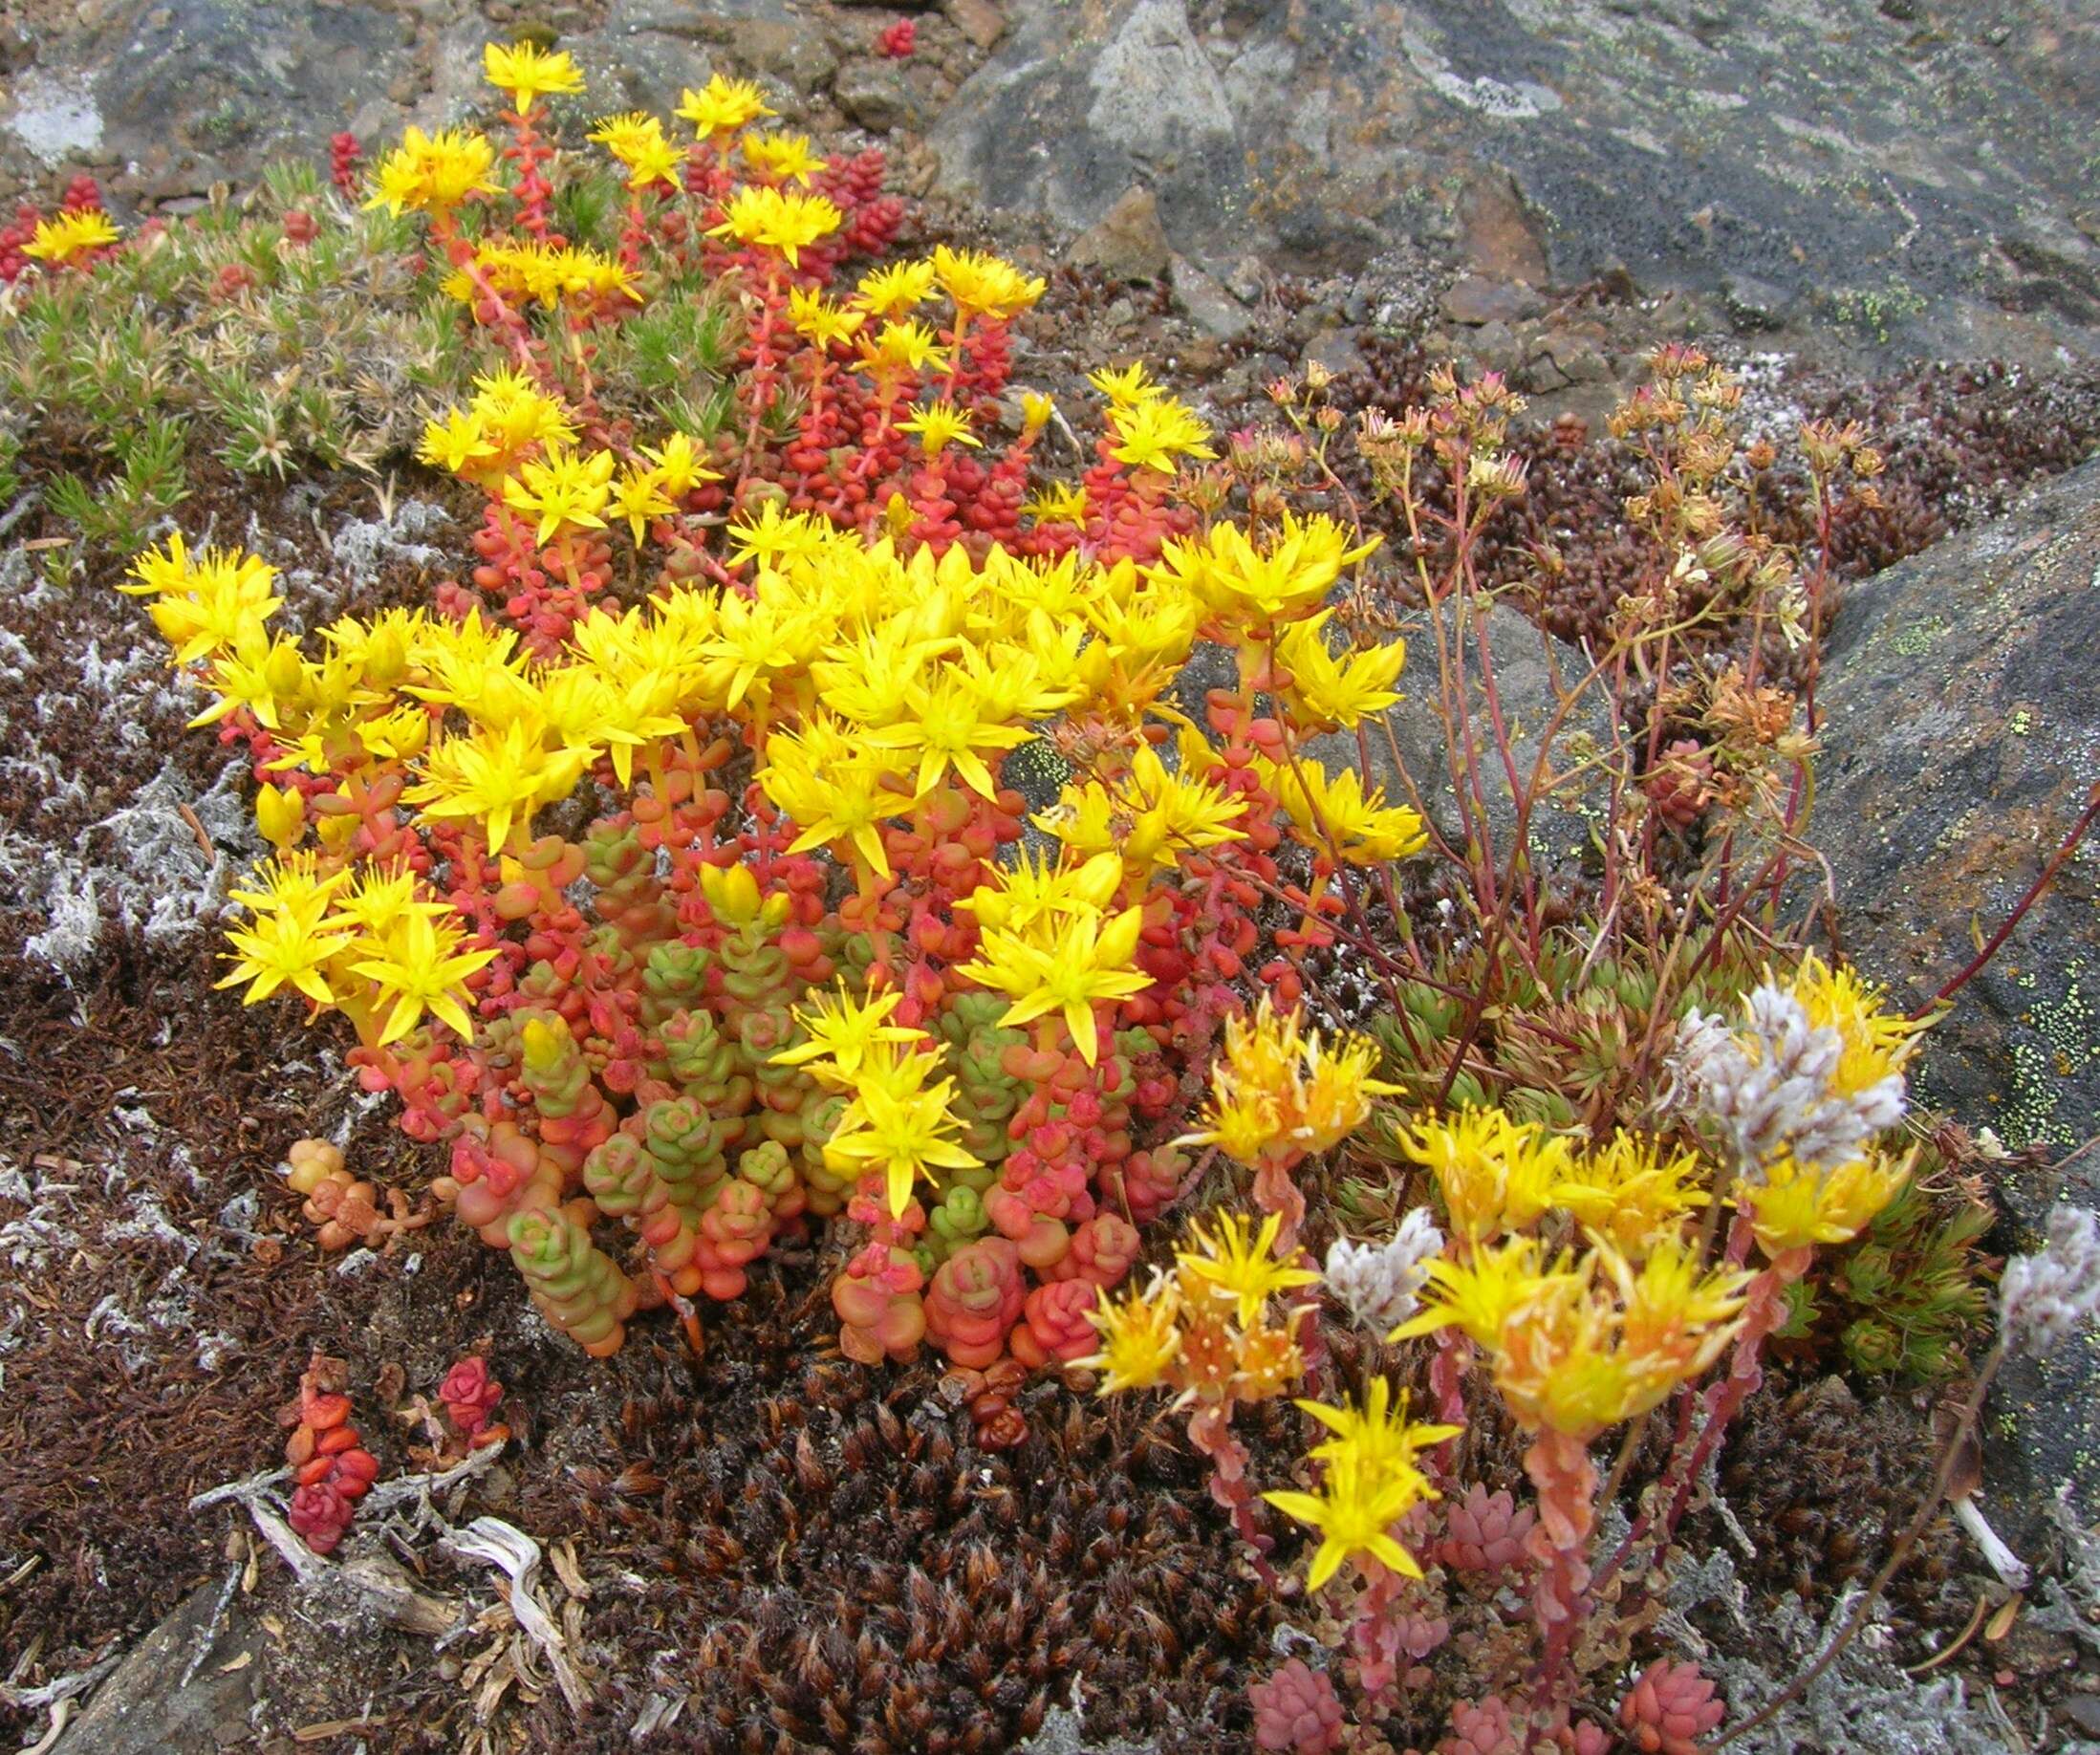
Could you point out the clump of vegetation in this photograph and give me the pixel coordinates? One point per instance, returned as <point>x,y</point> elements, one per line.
<point>665,866</point>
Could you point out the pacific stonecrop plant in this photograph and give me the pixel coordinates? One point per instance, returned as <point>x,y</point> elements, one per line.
<point>664,866</point>
<point>669,869</point>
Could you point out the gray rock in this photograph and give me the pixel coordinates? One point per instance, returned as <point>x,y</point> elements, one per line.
<point>789,50</point>
<point>1754,305</point>
<point>1126,242</point>
<point>244,80</point>
<point>649,49</point>
<point>1338,350</point>
<point>1208,305</point>
<point>877,96</point>
<point>1531,672</point>
<point>174,1689</point>
<point>1904,196</point>
<point>645,53</point>
<point>1475,300</point>
<point>1963,738</point>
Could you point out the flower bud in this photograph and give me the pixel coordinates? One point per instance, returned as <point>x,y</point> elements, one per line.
<point>280,814</point>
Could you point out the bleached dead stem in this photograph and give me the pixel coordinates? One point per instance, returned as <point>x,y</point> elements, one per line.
<point>513,1552</point>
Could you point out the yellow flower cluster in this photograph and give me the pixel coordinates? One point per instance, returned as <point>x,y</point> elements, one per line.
<point>980,285</point>
<point>900,1121</point>
<point>433,173</point>
<point>1581,1345</point>
<point>1327,695</point>
<point>638,141</point>
<point>1278,1093</point>
<point>1214,1329</point>
<point>765,217</point>
<point>1369,1480</point>
<point>1795,1206</point>
<point>870,678</point>
<point>527,271</point>
<point>722,106</point>
<point>1155,433</point>
<point>781,158</point>
<point>527,72</point>
<point>379,948</point>
<point>216,602</point>
<point>61,237</point>
<point>1339,818</point>
<point>1243,583</point>
<point>1498,1176</point>
<point>516,442</point>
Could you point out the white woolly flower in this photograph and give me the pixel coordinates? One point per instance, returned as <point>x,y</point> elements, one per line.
<point>2043,1299</point>
<point>1381,1284</point>
<point>1768,1086</point>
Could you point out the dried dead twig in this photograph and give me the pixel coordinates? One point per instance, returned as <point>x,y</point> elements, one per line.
<point>515,1554</point>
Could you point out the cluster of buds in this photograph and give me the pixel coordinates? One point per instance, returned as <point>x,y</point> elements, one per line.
<point>2044,1298</point>
<point>1670,1708</point>
<point>1799,1091</point>
<point>1484,1533</point>
<point>1680,783</point>
<point>470,1394</point>
<point>331,1468</point>
<point>343,155</point>
<point>343,1209</point>
<point>1278,1095</point>
<point>1297,1711</point>
<point>1381,1284</point>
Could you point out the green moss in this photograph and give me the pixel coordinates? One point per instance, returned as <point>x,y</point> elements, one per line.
<point>2065,1044</point>
<point>1876,310</point>
<point>1920,636</point>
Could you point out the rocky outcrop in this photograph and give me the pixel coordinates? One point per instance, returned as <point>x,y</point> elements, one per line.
<point>1962,740</point>
<point>1920,180</point>
<point>1904,178</point>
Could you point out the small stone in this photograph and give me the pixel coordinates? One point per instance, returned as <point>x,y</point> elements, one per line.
<point>1127,243</point>
<point>1247,280</point>
<point>1499,237</point>
<point>1336,350</point>
<point>979,20</point>
<point>1208,305</point>
<point>1474,299</point>
<point>2084,1711</point>
<point>1754,304</point>
<point>1576,357</point>
<point>1493,344</point>
<point>877,97</point>
<point>790,52</point>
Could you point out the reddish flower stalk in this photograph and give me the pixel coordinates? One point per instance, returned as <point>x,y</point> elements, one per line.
<point>1560,1469</point>
<point>1210,1431</point>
